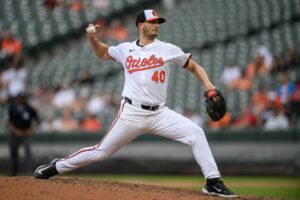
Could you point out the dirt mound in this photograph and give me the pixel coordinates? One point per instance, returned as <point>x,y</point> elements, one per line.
<point>28,188</point>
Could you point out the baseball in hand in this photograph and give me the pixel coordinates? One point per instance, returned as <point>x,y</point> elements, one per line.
<point>91,29</point>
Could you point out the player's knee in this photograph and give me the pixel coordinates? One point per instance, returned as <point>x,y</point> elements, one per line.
<point>196,136</point>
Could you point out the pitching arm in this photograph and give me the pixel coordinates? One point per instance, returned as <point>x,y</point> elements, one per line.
<point>99,47</point>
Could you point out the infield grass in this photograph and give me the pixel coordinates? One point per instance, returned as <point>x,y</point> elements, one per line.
<point>280,187</point>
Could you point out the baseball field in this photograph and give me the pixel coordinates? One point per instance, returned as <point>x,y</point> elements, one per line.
<point>142,187</point>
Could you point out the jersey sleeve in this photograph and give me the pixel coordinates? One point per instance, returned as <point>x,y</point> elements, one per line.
<point>178,57</point>
<point>115,52</point>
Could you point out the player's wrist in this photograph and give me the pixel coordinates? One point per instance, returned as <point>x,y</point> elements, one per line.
<point>208,84</point>
<point>209,87</point>
<point>92,36</point>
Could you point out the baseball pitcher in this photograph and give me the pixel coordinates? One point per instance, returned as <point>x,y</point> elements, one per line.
<point>147,63</point>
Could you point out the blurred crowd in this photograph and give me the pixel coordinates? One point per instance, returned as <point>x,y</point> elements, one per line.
<point>77,5</point>
<point>61,108</point>
<point>67,107</point>
<point>10,48</point>
<point>273,83</point>
<point>113,30</point>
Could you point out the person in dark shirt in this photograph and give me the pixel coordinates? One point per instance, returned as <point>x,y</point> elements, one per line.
<point>22,121</point>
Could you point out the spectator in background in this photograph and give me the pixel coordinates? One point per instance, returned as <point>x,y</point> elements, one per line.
<point>274,99</point>
<point>97,104</point>
<point>265,55</point>
<point>295,100</point>
<point>64,97</point>
<point>274,102</point>
<point>42,99</point>
<point>91,124</point>
<point>230,75</point>
<point>117,31</point>
<point>77,6</point>
<point>66,123</point>
<point>257,67</point>
<point>285,89</point>
<point>260,100</point>
<point>101,5</point>
<point>47,125</point>
<point>246,119</point>
<point>22,121</point>
<point>14,80</point>
<point>79,105</point>
<point>244,83</point>
<point>261,67</point>
<point>11,47</point>
<point>277,121</point>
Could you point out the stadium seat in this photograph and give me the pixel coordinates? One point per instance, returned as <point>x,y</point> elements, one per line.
<point>216,32</point>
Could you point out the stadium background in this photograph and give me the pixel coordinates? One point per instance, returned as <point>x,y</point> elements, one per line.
<point>67,83</point>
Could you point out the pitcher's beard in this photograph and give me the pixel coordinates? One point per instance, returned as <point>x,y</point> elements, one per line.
<point>152,36</point>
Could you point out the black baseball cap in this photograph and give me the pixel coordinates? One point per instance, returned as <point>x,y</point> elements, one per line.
<point>148,15</point>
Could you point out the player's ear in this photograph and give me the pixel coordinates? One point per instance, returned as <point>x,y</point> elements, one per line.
<point>140,25</point>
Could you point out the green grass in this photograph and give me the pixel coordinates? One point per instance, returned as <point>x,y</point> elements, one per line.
<point>290,193</point>
<point>285,191</point>
<point>289,186</point>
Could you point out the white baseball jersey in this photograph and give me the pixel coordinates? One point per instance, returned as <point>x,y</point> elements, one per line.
<point>147,69</point>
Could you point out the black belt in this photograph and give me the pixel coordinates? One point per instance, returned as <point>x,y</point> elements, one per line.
<point>145,107</point>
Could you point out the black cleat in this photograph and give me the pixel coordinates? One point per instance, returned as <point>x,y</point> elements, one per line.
<point>46,171</point>
<point>216,187</point>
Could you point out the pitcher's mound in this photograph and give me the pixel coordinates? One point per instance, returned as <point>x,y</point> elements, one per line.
<point>28,188</point>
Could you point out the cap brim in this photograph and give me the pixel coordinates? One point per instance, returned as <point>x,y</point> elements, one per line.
<point>160,20</point>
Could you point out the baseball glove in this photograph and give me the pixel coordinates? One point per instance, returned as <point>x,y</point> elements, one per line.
<point>215,104</point>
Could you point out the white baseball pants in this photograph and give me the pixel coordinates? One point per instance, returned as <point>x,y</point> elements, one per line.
<point>132,122</point>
